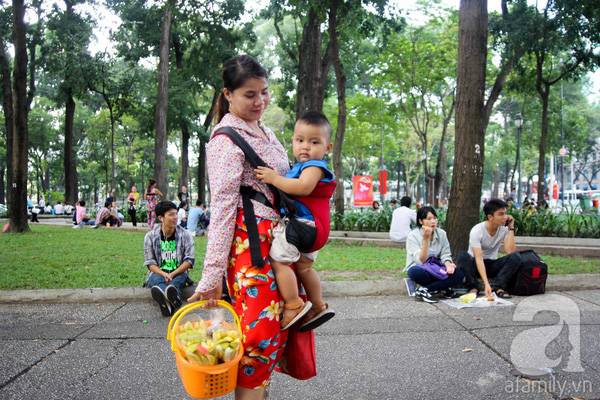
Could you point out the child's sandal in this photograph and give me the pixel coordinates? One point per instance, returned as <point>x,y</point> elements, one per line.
<point>299,307</point>
<point>321,316</point>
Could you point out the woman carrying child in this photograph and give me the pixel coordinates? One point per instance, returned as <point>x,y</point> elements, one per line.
<point>428,258</point>
<point>253,291</point>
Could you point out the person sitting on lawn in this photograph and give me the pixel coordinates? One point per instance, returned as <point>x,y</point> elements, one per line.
<point>423,243</point>
<point>105,216</point>
<point>482,258</point>
<point>169,254</point>
<point>81,218</point>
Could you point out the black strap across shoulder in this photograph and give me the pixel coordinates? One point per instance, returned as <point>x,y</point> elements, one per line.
<point>282,203</point>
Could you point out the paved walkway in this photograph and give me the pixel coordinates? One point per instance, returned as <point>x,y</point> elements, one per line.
<point>377,347</point>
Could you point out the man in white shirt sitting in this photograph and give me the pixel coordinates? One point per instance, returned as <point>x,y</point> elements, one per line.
<point>401,219</point>
<point>58,209</point>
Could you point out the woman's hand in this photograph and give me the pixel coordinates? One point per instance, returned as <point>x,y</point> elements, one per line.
<point>211,297</point>
<point>450,267</point>
<point>427,233</point>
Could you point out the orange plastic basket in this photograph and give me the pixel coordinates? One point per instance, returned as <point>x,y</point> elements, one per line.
<point>204,381</point>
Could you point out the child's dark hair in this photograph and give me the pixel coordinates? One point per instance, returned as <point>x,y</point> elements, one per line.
<point>422,214</point>
<point>493,205</point>
<point>405,201</point>
<point>236,72</point>
<point>163,206</point>
<point>316,118</point>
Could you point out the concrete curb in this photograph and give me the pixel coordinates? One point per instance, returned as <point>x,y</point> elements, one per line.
<point>330,289</point>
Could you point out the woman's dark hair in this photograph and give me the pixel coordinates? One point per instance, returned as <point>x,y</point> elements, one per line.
<point>107,203</point>
<point>236,72</point>
<point>375,202</point>
<point>82,203</point>
<point>183,205</point>
<point>150,183</point>
<point>422,214</point>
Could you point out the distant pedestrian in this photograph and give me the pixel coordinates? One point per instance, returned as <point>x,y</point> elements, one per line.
<point>132,203</point>
<point>183,196</point>
<point>152,195</point>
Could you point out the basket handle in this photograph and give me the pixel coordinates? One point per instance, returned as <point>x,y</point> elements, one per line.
<point>189,307</point>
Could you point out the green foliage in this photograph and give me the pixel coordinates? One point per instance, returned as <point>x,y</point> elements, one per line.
<point>571,223</point>
<point>363,220</point>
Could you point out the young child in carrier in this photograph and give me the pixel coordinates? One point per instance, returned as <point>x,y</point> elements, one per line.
<point>310,143</point>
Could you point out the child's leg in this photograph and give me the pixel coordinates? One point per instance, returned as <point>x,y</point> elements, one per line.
<point>320,311</point>
<point>294,308</point>
<point>286,281</point>
<point>310,279</point>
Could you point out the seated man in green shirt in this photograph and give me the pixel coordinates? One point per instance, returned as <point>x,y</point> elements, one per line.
<point>169,253</point>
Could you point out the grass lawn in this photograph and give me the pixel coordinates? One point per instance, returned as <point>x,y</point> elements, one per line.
<point>52,257</point>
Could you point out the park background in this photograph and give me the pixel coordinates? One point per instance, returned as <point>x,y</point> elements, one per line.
<point>402,86</point>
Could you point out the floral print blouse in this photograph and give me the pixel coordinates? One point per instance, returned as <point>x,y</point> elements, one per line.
<point>227,171</point>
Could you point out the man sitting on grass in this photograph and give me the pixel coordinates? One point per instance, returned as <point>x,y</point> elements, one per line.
<point>169,253</point>
<point>81,217</point>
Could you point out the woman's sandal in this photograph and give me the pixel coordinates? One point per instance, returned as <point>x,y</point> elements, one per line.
<point>299,307</point>
<point>321,316</point>
<point>501,293</point>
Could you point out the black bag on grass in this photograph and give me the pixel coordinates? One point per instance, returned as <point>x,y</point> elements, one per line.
<point>531,276</point>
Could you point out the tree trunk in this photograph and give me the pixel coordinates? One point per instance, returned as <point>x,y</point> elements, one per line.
<point>201,175</point>
<point>113,185</point>
<point>2,186</point>
<point>71,191</point>
<point>496,184</point>
<point>341,97</point>
<point>313,67</point>
<point>7,106</point>
<point>184,178</point>
<point>162,104</point>
<point>545,95</point>
<point>18,207</point>
<point>185,142</point>
<point>467,176</point>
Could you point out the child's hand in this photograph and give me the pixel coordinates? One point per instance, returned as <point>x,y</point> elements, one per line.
<point>266,174</point>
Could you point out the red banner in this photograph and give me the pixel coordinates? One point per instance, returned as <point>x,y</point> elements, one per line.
<point>383,182</point>
<point>363,191</point>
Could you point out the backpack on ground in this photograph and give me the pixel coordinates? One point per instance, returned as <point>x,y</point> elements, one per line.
<point>531,276</point>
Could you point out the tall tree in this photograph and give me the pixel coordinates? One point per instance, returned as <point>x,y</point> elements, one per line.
<point>7,98</point>
<point>64,51</point>
<point>565,39</point>
<point>467,174</point>
<point>162,102</point>
<point>18,208</point>
<point>340,79</point>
